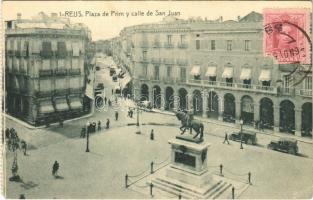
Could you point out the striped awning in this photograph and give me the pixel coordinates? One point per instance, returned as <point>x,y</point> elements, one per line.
<point>195,71</point>
<point>265,75</point>
<point>46,107</point>
<point>75,104</point>
<point>61,105</point>
<point>211,71</point>
<point>228,72</point>
<point>245,74</point>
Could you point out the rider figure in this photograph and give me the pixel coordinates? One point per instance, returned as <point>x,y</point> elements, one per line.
<point>189,119</point>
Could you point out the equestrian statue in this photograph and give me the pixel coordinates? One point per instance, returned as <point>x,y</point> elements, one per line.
<point>188,121</point>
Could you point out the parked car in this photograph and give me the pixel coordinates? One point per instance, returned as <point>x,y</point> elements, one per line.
<point>284,144</point>
<point>247,137</point>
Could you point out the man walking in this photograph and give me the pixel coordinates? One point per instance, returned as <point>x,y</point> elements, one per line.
<point>226,138</point>
<point>24,146</point>
<point>55,168</point>
<point>116,115</point>
<point>105,100</point>
<point>108,124</point>
<point>99,125</point>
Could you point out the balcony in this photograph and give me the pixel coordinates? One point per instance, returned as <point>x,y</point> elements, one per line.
<point>155,79</point>
<point>181,80</point>
<point>233,86</point>
<point>44,93</point>
<point>305,93</point>
<point>156,44</point>
<point>169,80</point>
<point>156,60</point>
<point>46,54</point>
<point>45,73</point>
<point>74,72</point>
<point>182,45</point>
<point>60,72</point>
<point>169,61</point>
<point>143,60</point>
<point>168,45</point>
<point>182,62</point>
<point>286,91</point>
<point>143,77</point>
<point>18,53</point>
<point>10,52</point>
<point>25,53</point>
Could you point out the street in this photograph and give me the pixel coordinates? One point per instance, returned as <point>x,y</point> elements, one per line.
<point>118,150</point>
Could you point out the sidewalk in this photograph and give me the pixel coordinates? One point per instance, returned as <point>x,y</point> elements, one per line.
<point>249,128</point>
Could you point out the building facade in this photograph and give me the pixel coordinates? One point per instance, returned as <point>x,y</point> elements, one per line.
<point>45,68</point>
<point>215,69</point>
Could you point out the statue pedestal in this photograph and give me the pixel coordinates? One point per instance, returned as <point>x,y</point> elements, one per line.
<point>187,174</point>
<point>189,161</point>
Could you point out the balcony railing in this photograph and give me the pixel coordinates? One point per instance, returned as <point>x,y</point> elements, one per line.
<point>306,93</point>
<point>43,93</point>
<point>46,54</point>
<point>182,45</point>
<point>182,62</point>
<point>286,91</point>
<point>44,73</point>
<point>168,45</point>
<point>181,80</point>
<point>169,80</point>
<point>156,44</point>
<point>74,71</point>
<point>234,86</point>
<point>61,72</point>
<point>156,60</point>
<point>143,60</point>
<point>168,61</point>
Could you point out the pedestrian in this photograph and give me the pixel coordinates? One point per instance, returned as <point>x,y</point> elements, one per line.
<point>94,125</point>
<point>112,91</point>
<point>108,124</point>
<point>55,168</point>
<point>105,100</point>
<point>83,132</point>
<point>131,113</point>
<point>24,146</point>
<point>226,138</point>
<point>152,135</point>
<point>99,125</point>
<point>7,133</point>
<point>116,115</point>
<point>109,102</point>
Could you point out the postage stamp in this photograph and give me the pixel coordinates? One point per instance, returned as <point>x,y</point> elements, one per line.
<point>286,35</point>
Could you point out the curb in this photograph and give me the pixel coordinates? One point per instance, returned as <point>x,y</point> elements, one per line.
<point>43,126</point>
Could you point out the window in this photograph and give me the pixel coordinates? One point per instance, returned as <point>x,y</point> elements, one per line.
<point>182,39</point>
<point>169,39</point>
<point>308,83</point>
<point>168,71</point>
<point>286,81</point>
<point>145,70</point>
<point>247,45</point>
<point>212,78</point>
<point>144,55</point>
<point>229,81</point>
<point>197,44</point>
<point>229,45</point>
<point>156,72</point>
<point>183,74</point>
<point>212,44</point>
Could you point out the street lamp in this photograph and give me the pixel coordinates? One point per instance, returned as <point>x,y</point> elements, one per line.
<point>241,123</point>
<point>87,137</point>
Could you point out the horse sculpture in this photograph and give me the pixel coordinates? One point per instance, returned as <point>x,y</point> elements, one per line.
<point>188,122</point>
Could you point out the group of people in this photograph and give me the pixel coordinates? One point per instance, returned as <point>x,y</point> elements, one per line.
<point>13,141</point>
<point>92,127</point>
<point>130,112</point>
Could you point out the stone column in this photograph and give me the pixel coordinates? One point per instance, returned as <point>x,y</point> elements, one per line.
<point>162,93</point>
<point>204,103</point>
<point>256,109</point>
<point>298,122</point>
<point>220,107</point>
<point>238,110</point>
<point>151,95</point>
<point>190,102</point>
<point>176,101</point>
<point>276,118</point>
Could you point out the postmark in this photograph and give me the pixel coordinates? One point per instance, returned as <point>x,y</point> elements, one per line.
<point>286,39</point>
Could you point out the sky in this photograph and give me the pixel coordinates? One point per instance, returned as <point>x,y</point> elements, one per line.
<point>105,27</point>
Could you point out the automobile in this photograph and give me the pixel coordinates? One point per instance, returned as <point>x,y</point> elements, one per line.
<point>247,137</point>
<point>112,71</point>
<point>284,144</point>
<point>145,105</point>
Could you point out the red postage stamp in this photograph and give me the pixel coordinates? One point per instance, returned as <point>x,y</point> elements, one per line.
<point>286,35</point>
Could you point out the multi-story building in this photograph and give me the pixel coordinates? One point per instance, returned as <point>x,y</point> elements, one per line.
<point>217,70</point>
<point>45,68</point>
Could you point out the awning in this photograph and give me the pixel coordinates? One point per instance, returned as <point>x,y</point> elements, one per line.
<point>61,105</point>
<point>46,107</point>
<point>265,75</point>
<point>124,81</point>
<point>195,71</point>
<point>211,71</point>
<point>75,103</point>
<point>245,74</point>
<point>228,72</point>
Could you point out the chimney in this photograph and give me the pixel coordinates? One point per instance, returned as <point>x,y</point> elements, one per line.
<point>54,15</point>
<point>238,18</point>
<point>19,16</point>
